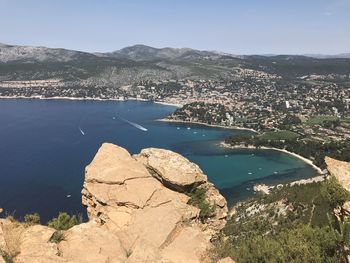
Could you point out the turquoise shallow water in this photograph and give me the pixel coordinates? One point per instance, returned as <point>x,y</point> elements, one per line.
<point>43,153</point>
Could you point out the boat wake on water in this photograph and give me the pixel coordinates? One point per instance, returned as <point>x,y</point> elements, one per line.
<point>138,126</point>
<point>81,131</point>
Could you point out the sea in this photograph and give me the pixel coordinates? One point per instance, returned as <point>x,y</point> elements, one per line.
<point>45,146</point>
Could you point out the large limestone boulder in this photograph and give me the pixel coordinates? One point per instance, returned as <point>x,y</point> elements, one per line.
<point>84,243</point>
<point>113,165</point>
<point>179,174</point>
<point>339,169</point>
<point>188,246</point>
<point>89,242</point>
<point>172,169</point>
<point>35,246</point>
<point>28,243</point>
<point>143,200</point>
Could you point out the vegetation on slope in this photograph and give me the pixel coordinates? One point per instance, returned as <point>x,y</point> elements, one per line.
<point>293,224</point>
<point>198,199</point>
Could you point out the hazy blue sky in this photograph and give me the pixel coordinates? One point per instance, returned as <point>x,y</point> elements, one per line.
<point>240,27</point>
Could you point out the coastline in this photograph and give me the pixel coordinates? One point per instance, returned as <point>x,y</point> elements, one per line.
<point>265,189</point>
<point>307,161</point>
<point>91,99</point>
<point>208,125</point>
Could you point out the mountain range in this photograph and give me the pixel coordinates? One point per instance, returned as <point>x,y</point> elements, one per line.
<point>140,62</point>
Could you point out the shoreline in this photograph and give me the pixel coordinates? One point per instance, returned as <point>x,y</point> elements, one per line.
<point>305,160</point>
<point>91,99</point>
<point>265,189</point>
<point>208,125</point>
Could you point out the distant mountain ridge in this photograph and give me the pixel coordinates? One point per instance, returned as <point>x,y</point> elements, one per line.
<point>323,56</point>
<point>136,52</point>
<point>142,52</point>
<point>39,54</point>
<point>141,63</point>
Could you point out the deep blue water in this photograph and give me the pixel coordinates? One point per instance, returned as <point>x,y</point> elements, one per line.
<point>43,153</point>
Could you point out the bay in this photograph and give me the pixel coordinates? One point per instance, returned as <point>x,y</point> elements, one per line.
<point>46,144</point>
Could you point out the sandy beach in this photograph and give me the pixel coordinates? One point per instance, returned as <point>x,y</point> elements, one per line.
<point>209,125</point>
<point>307,161</point>
<point>168,104</point>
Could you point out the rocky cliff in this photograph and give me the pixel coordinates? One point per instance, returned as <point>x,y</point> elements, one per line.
<point>339,169</point>
<point>155,206</point>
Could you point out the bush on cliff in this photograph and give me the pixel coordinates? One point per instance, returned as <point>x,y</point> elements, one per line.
<point>57,237</point>
<point>333,191</point>
<point>63,222</point>
<point>32,219</point>
<point>198,199</point>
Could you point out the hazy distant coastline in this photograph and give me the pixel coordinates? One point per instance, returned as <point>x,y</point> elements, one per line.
<point>91,99</point>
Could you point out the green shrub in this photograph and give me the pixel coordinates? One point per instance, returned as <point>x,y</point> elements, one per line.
<point>57,237</point>
<point>307,232</point>
<point>197,199</point>
<point>6,257</point>
<point>63,222</point>
<point>346,233</point>
<point>333,191</point>
<point>301,243</point>
<point>32,219</point>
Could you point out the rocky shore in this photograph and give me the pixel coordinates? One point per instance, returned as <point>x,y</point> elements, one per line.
<point>141,208</point>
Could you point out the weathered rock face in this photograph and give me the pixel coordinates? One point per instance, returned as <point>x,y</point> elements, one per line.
<point>339,169</point>
<point>173,170</point>
<point>143,200</point>
<point>139,212</point>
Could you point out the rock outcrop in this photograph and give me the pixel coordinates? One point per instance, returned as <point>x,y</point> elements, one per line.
<point>139,210</point>
<point>339,169</point>
<point>143,199</point>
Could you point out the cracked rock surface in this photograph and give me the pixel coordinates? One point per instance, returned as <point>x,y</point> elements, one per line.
<point>142,199</point>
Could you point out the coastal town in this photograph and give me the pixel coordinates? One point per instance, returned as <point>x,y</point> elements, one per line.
<point>311,105</point>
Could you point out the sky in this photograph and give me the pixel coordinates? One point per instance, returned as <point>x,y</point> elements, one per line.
<point>237,27</point>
